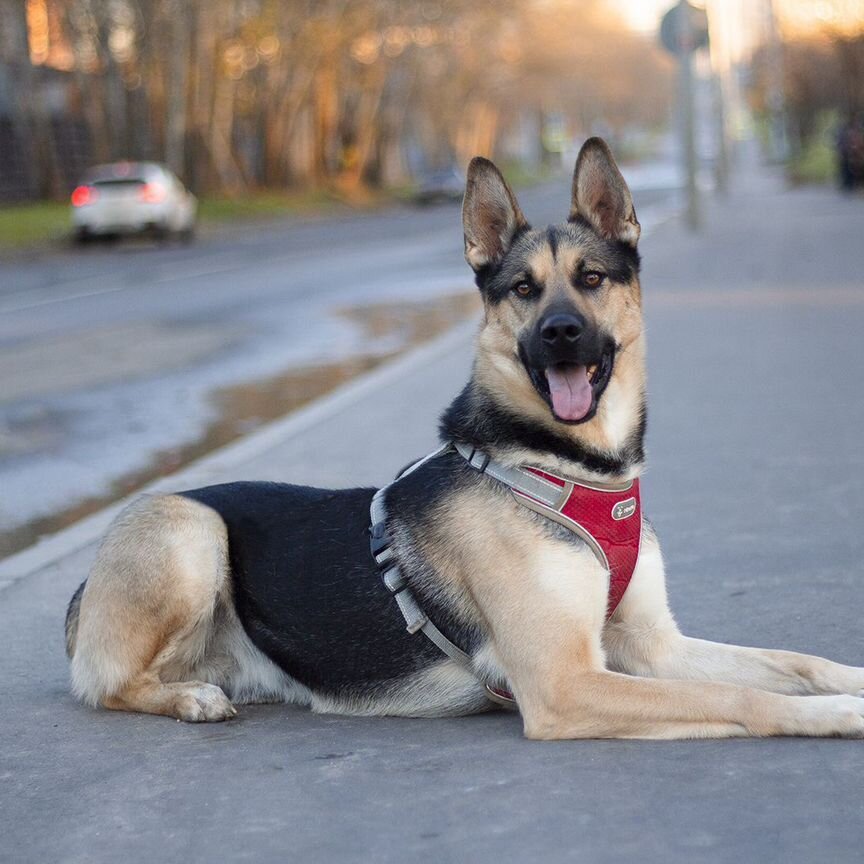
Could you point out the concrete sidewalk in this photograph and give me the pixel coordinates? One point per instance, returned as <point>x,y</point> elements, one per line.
<point>757,367</point>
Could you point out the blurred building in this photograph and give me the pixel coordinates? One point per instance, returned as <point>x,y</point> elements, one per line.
<point>44,143</point>
<point>804,17</point>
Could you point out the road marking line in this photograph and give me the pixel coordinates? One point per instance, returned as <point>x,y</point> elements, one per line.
<point>81,295</point>
<point>22,307</point>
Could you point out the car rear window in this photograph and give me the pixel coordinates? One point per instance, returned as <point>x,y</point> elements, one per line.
<point>125,181</point>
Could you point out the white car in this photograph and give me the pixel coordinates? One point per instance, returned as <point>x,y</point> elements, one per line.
<point>131,198</point>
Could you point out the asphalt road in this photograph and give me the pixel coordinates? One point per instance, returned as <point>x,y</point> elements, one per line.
<point>121,362</point>
<point>756,368</point>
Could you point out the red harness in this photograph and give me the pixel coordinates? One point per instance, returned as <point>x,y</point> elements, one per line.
<point>609,521</point>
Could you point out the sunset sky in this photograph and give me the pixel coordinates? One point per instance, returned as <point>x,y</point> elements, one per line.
<point>643,14</point>
<point>794,16</point>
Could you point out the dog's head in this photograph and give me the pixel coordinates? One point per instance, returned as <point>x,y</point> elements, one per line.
<point>563,340</point>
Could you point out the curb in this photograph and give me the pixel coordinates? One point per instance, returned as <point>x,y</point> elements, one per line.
<point>203,471</point>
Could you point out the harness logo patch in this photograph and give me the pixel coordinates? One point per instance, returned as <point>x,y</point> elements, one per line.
<point>624,509</point>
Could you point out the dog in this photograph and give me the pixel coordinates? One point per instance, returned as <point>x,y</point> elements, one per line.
<point>479,586</point>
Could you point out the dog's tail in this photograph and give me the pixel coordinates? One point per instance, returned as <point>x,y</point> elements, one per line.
<point>72,620</point>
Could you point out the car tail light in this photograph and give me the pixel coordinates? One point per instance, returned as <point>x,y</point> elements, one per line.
<point>83,195</point>
<point>152,193</point>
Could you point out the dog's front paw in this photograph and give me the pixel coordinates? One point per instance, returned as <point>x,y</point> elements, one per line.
<point>203,703</point>
<point>857,682</point>
<point>839,716</point>
<point>827,677</point>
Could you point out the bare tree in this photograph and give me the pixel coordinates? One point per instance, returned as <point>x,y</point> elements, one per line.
<point>236,94</point>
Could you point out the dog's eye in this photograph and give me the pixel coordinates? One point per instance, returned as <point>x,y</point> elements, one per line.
<point>592,279</point>
<point>523,289</point>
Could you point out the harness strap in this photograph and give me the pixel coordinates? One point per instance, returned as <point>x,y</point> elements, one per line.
<point>416,619</point>
<point>539,494</point>
<point>516,478</point>
<point>533,490</point>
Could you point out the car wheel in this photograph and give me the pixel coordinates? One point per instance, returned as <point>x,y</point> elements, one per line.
<point>159,233</point>
<point>83,237</point>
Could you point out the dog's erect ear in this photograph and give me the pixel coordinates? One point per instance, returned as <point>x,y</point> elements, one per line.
<point>601,196</point>
<point>490,215</point>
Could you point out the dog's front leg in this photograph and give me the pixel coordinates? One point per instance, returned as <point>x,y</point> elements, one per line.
<point>551,654</point>
<point>603,704</point>
<point>550,651</point>
<point>544,605</point>
<point>643,639</point>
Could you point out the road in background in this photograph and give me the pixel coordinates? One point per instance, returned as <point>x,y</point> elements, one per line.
<point>121,363</point>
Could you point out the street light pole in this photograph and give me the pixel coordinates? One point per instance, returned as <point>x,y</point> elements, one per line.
<point>688,138</point>
<point>721,173</point>
<point>778,141</point>
<point>683,30</point>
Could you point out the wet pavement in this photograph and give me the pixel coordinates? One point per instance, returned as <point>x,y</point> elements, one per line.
<point>239,409</point>
<point>121,363</point>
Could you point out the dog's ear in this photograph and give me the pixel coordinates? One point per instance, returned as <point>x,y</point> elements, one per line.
<point>601,196</point>
<point>490,215</point>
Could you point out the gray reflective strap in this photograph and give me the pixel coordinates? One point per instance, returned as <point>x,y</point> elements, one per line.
<point>377,510</point>
<point>415,618</point>
<point>454,652</point>
<point>522,481</point>
<point>421,462</point>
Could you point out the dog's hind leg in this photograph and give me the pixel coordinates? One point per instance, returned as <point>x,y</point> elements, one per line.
<point>146,614</point>
<point>643,639</point>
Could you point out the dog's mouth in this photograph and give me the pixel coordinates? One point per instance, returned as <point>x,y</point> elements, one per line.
<point>572,391</point>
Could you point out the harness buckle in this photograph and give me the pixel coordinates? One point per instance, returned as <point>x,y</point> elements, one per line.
<point>379,539</point>
<point>393,579</point>
<point>480,464</point>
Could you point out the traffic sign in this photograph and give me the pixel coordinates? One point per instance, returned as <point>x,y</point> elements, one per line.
<point>684,29</point>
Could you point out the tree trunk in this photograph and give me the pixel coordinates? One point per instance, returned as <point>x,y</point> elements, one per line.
<point>26,104</point>
<point>177,96</point>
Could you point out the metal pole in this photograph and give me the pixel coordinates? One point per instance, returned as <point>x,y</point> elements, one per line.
<point>721,171</point>
<point>779,143</point>
<point>688,137</point>
<point>175,126</point>
<point>26,106</point>
<point>683,30</point>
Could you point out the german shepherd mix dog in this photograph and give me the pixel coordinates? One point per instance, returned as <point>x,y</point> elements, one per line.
<point>263,592</point>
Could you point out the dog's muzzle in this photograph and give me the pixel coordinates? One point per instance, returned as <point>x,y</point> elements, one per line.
<point>570,364</point>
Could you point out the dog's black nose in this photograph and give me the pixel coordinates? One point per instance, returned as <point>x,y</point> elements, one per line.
<point>562,328</point>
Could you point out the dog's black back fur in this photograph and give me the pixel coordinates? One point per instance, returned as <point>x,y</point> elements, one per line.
<point>307,589</point>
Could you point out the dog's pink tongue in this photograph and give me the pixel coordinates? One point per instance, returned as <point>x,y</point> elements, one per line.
<point>570,390</point>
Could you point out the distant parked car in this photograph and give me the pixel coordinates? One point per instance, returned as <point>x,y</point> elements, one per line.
<point>445,184</point>
<point>132,198</point>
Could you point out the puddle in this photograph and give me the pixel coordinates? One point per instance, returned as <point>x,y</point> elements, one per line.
<point>244,407</point>
<point>30,429</point>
